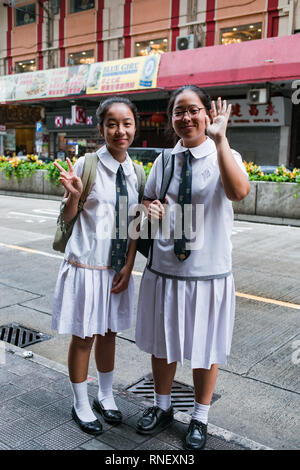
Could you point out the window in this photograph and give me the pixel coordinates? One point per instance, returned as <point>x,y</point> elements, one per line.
<point>238,34</point>
<point>81,5</point>
<point>55,6</point>
<point>25,14</point>
<point>25,66</point>
<point>84,57</point>
<point>151,47</point>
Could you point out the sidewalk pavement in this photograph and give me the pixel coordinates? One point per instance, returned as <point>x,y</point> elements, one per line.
<point>35,414</point>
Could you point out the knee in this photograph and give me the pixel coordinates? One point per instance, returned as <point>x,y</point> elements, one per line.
<point>84,344</point>
<point>109,337</point>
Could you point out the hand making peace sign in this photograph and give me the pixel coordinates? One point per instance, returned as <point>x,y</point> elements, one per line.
<point>70,180</point>
<point>220,115</point>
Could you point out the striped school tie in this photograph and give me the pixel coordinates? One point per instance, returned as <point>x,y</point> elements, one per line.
<point>184,197</point>
<point>119,245</point>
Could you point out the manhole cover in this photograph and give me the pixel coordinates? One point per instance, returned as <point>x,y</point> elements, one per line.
<point>182,395</point>
<point>20,335</point>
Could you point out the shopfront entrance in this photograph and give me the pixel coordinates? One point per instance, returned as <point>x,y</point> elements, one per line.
<point>68,139</point>
<point>25,140</point>
<point>69,145</point>
<point>20,124</point>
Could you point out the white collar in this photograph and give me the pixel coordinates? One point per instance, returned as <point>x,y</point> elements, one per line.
<point>203,150</point>
<point>112,164</point>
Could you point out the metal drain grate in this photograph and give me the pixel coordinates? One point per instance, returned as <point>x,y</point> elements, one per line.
<point>182,395</point>
<point>21,336</point>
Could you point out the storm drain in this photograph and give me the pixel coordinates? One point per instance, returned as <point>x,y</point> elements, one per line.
<point>21,336</point>
<point>182,395</point>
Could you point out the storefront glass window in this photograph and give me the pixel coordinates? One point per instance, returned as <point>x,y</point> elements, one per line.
<point>55,4</point>
<point>152,46</point>
<point>25,66</point>
<point>84,57</point>
<point>238,34</point>
<point>81,5</point>
<point>25,14</point>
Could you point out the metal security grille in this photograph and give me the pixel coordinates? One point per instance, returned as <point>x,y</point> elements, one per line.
<point>21,336</point>
<point>182,395</point>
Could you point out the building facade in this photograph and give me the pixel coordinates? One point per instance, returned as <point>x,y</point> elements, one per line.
<point>41,35</point>
<point>44,35</point>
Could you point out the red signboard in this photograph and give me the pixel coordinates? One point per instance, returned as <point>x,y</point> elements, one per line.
<point>78,115</point>
<point>58,121</point>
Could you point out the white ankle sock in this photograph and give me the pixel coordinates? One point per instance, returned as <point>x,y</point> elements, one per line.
<point>105,392</point>
<point>200,412</point>
<point>162,401</point>
<point>81,402</point>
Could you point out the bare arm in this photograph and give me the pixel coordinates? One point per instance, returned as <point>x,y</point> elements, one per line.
<point>131,254</point>
<point>235,182</point>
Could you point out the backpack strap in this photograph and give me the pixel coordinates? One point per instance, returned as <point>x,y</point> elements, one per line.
<point>167,172</point>
<point>141,178</point>
<point>88,177</point>
<point>168,160</point>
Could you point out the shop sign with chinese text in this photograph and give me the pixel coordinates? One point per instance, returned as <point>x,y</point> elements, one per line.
<point>276,113</point>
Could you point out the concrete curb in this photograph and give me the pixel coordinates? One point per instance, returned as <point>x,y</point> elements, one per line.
<point>242,217</point>
<point>263,219</point>
<point>184,418</point>
<point>228,436</point>
<point>51,197</point>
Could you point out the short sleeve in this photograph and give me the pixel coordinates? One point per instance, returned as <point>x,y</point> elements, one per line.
<point>151,185</point>
<point>238,159</point>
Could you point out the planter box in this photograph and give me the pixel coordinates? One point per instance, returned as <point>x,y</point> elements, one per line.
<point>271,200</point>
<point>248,204</point>
<point>265,198</point>
<point>35,184</point>
<point>278,200</point>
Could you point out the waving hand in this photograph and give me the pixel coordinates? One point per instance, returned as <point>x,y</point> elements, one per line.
<point>220,115</point>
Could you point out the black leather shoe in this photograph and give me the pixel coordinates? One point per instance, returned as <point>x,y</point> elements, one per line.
<point>196,435</point>
<point>110,416</point>
<point>91,427</point>
<point>154,419</point>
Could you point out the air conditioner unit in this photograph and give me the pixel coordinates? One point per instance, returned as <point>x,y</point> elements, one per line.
<point>185,42</point>
<point>258,96</point>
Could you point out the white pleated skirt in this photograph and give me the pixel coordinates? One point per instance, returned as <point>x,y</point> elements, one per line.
<point>84,306</point>
<point>192,320</point>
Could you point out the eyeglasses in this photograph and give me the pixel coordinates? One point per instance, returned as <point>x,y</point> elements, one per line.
<point>192,111</point>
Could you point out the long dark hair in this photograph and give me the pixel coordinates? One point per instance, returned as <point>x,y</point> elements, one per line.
<point>204,97</point>
<point>108,102</point>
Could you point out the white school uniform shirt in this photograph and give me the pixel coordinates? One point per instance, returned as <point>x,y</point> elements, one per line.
<point>90,243</point>
<point>213,258</point>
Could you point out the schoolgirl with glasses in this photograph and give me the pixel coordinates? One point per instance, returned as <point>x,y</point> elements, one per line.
<point>187,299</point>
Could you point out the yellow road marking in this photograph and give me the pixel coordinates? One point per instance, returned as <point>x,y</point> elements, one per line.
<point>267,300</point>
<point>30,250</point>
<point>137,273</point>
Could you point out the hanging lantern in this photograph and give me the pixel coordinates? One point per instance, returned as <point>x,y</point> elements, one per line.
<point>157,118</point>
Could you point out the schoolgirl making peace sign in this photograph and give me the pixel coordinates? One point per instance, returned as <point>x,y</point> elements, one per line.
<point>94,292</point>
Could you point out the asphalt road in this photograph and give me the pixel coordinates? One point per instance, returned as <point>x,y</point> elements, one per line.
<point>258,390</point>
